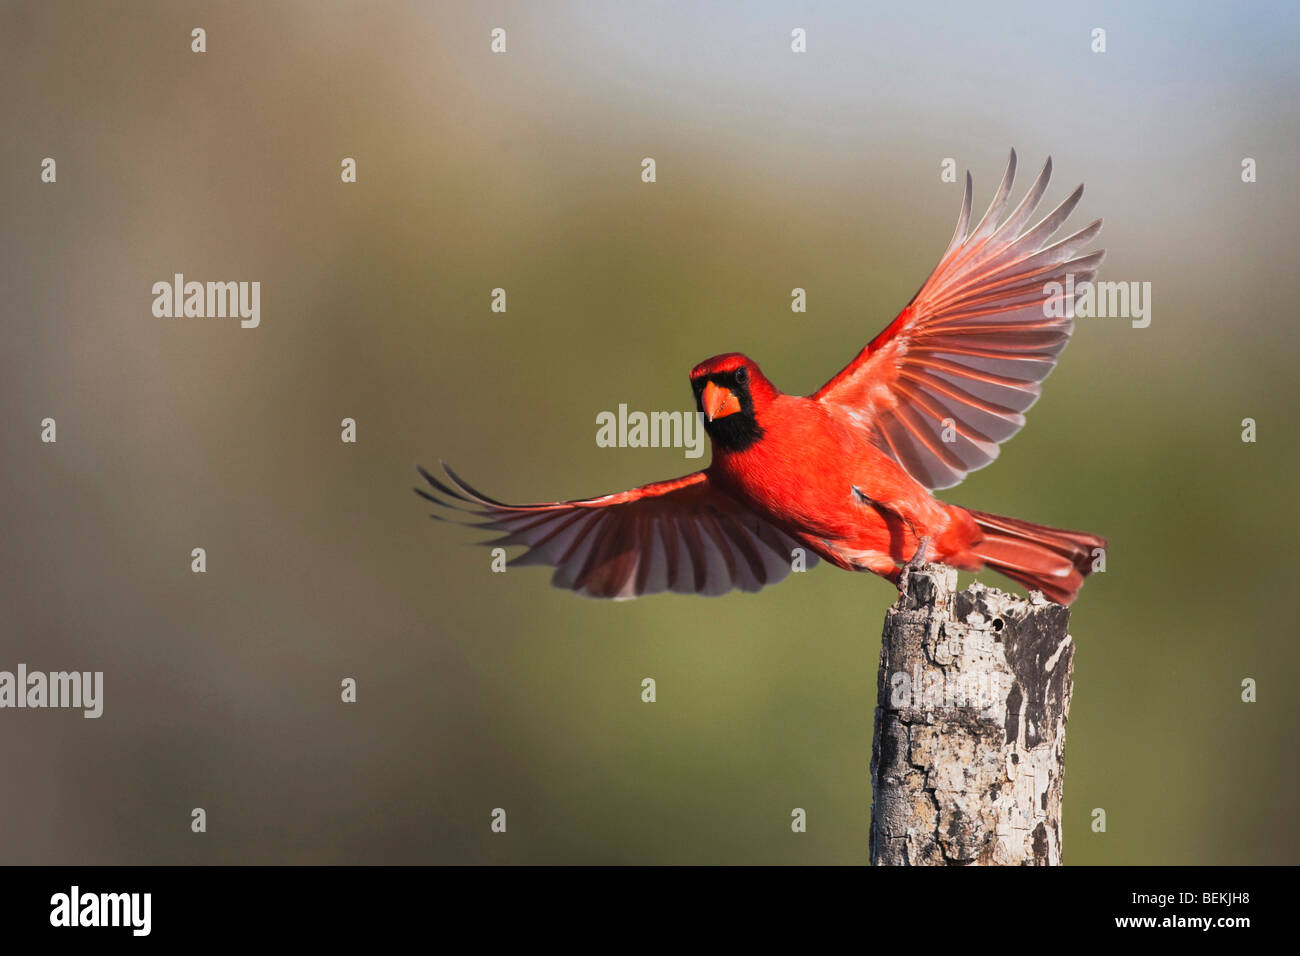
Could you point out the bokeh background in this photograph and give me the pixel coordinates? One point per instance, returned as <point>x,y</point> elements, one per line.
<point>775,170</point>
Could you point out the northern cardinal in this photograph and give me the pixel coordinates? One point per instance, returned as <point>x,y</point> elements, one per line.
<point>846,473</point>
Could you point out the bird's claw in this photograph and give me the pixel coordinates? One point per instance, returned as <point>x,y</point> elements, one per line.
<point>913,563</point>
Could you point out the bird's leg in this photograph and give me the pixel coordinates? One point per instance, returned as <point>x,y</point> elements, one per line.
<point>913,563</point>
<point>898,575</point>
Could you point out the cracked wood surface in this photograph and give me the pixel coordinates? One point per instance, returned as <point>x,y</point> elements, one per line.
<point>968,753</point>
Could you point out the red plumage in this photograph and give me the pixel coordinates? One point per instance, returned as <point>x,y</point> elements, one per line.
<point>846,473</point>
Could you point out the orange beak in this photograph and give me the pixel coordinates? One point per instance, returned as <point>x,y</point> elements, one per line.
<point>718,402</point>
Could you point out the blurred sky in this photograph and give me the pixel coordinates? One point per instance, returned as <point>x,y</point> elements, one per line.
<point>522,171</point>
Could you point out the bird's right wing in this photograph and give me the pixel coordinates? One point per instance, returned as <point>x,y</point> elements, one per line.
<point>681,535</point>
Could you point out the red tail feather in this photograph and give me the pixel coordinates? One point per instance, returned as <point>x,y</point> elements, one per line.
<point>1041,558</point>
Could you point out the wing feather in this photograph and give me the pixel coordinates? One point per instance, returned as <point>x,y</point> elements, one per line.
<point>680,535</point>
<point>950,378</point>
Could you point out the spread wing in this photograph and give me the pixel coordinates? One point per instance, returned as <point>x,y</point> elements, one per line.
<point>681,535</point>
<point>964,360</point>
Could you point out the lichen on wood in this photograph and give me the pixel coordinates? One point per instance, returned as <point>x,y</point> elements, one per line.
<point>968,752</point>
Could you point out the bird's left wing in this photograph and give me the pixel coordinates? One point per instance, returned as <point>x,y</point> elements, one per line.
<point>949,379</point>
<point>681,535</point>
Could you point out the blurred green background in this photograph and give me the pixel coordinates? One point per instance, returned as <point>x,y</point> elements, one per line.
<point>775,170</point>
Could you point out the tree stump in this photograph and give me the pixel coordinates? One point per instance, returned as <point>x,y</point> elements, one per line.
<point>968,752</point>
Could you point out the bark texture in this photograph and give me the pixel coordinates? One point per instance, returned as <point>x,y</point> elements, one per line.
<point>968,753</point>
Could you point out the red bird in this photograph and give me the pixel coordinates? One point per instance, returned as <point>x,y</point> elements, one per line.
<point>846,472</point>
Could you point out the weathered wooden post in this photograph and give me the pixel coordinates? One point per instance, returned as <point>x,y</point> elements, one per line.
<point>968,753</point>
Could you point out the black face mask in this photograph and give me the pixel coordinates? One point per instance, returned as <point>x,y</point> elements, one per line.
<point>739,430</point>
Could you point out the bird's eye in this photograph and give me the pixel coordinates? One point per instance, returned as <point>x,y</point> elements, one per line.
<point>742,375</point>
